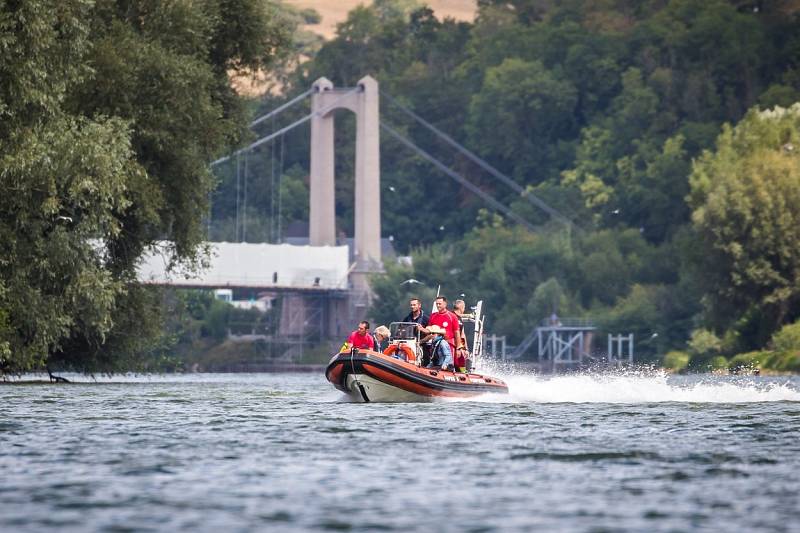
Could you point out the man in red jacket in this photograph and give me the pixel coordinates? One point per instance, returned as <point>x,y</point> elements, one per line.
<point>361,338</point>
<point>448,321</point>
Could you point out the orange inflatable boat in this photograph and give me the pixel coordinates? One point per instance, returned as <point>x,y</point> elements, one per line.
<point>396,375</point>
<point>375,377</point>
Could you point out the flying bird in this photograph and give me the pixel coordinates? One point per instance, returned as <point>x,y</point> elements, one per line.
<point>411,282</point>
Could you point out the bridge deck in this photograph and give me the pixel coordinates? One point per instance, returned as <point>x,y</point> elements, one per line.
<point>278,267</point>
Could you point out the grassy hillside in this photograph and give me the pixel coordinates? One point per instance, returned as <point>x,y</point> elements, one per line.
<point>335,11</point>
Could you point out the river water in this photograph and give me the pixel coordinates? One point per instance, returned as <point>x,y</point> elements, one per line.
<point>264,452</point>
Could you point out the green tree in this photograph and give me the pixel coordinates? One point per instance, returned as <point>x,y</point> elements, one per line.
<point>676,361</point>
<point>549,298</point>
<point>639,312</point>
<point>528,110</point>
<point>652,189</point>
<point>703,345</point>
<point>108,115</point>
<point>634,109</point>
<point>597,107</point>
<point>746,201</point>
<point>787,339</point>
<point>63,180</point>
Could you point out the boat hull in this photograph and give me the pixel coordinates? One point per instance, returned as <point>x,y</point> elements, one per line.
<point>370,376</point>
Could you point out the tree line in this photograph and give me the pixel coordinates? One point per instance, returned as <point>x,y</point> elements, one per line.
<point>109,114</point>
<point>666,131</point>
<point>663,130</point>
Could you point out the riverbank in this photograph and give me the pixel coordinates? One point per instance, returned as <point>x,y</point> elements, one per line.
<point>264,368</point>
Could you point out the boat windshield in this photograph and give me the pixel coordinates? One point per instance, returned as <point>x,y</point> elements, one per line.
<point>403,330</point>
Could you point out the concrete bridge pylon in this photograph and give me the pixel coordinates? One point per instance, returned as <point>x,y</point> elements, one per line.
<point>363,101</point>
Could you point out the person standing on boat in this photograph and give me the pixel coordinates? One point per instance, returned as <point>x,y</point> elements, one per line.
<point>361,338</point>
<point>460,360</point>
<point>448,321</point>
<point>418,316</point>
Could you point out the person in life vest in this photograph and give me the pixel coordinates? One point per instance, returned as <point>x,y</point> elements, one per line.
<point>448,321</point>
<point>361,338</point>
<point>441,355</point>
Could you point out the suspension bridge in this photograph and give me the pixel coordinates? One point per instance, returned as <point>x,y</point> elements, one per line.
<point>324,283</point>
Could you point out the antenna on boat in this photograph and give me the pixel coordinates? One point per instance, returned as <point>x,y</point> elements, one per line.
<point>477,342</point>
<point>433,308</point>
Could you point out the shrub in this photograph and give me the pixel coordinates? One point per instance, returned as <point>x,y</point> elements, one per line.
<point>749,360</point>
<point>786,361</point>
<point>788,338</point>
<point>704,343</point>
<point>792,362</point>
<point>310,16</point>
<point>676,361</point>
<point>772,361</point>
<point>718,363</point>
<point>216,321</point>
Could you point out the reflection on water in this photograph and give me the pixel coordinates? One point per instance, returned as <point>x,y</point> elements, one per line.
<point>585,452</point>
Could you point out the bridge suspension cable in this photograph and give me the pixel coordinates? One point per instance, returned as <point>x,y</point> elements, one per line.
<point>278,233</point>
<point>272,189</point>
<point>532,198</point>
<point>238,181</point>
<point>280,108</point>
<point>498,206</point>
<point>244,202</point>
<point>460,179</point>
<point>290,127</point>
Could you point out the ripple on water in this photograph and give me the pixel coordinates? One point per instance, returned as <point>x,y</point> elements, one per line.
<point>331,524</point>
<point>8,426</point>
<point>677,475</point>
<point>342,429</point>
<point>247,453</point>
<point>586,456</point>
<point>277,516</point>
<point>725,472</point>
<point>147,470</point>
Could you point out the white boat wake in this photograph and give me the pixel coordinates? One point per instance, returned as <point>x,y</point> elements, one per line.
<point>644,386</point>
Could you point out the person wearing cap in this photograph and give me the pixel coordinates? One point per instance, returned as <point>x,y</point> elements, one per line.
<point>361,338</point>
<point>448,321</point>
<point>441,356</point>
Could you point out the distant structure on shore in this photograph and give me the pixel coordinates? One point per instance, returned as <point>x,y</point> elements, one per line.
<point>322,282</point>
<point>558,344</point>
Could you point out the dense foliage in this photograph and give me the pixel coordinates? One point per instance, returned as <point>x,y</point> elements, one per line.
<point>746,196</point>
<point>109,113</point>
<point>608,111</point>
<point>663,129</point>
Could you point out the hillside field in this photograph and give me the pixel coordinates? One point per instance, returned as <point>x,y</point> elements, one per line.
<point>335,11</point>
